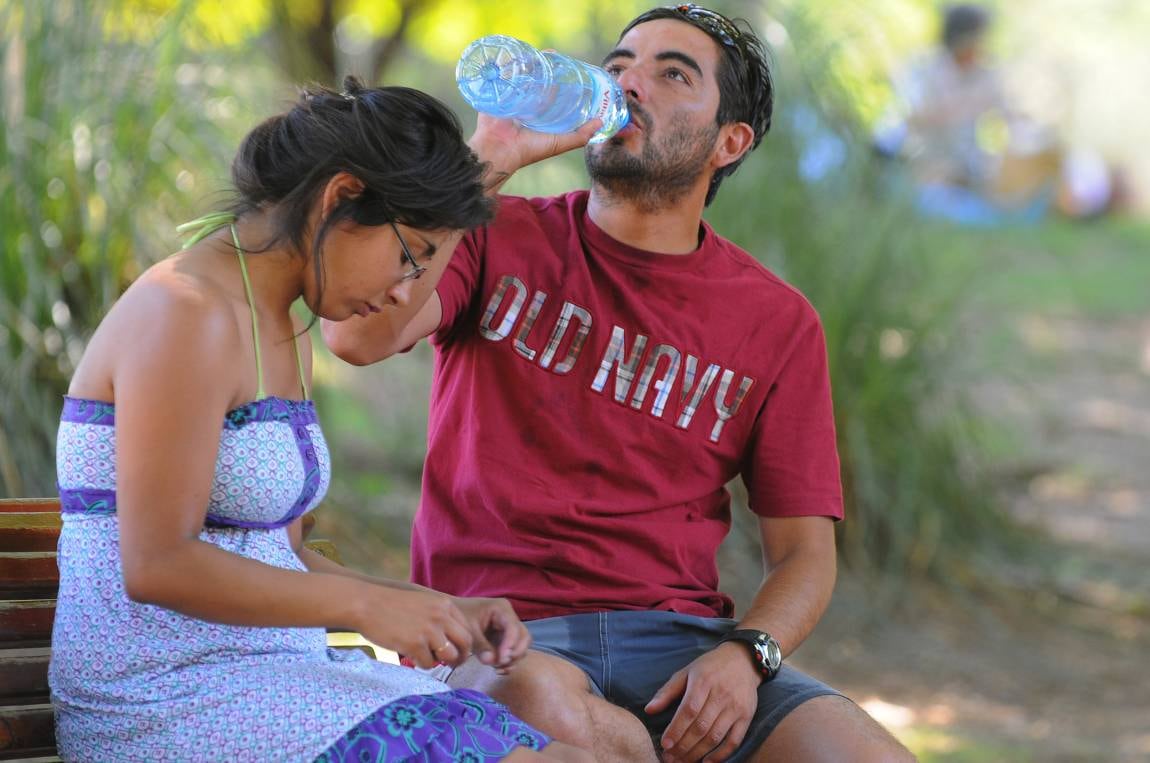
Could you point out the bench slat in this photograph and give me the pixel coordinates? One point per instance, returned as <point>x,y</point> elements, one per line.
<point>47,520</point>
<point>29,530</point>
<point>26,622</point>
<point>27,730</point>
<point>28,574</point>
<point>24,675</point>
<point>29,504</point>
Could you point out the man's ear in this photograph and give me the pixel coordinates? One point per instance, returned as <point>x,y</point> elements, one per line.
<point>735,139</point>
<point>343,185</point>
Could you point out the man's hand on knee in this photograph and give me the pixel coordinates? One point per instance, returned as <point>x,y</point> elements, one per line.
<point>719,692</point>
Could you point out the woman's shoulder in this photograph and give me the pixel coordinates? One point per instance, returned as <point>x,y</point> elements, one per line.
<point>177,294</point>
<point>170,309</point>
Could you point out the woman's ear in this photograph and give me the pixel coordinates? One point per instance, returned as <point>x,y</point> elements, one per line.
<point>343,185</point>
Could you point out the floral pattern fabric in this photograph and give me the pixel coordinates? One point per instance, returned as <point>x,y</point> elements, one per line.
<point>463,726</point>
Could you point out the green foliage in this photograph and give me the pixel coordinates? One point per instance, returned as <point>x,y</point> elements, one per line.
<point>890,291</point>
<point>101,141</point>
<point>104,136</point>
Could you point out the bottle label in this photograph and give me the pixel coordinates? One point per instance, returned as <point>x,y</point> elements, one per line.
<point>604,104</point>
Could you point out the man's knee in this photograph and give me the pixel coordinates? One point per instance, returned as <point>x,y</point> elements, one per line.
<point>832,728</point>
<point>546,691</point>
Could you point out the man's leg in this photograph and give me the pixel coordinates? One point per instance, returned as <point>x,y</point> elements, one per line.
<point>830,728</point>
<point>556,752</point>
<point>798,718</point>
<point>557,698</point>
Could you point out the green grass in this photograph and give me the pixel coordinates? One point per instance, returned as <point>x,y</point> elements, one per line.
<point>1098,270</point>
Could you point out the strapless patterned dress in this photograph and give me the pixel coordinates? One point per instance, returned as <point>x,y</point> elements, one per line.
<point>137,682</point>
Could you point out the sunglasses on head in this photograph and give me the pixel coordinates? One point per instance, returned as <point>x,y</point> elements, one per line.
<point>714,23</point>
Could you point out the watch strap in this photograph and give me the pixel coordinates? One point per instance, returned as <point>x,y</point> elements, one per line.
<point>760,643</point>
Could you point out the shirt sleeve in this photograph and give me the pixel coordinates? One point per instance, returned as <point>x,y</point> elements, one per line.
<point>792,466</point>
<point>460,281</point>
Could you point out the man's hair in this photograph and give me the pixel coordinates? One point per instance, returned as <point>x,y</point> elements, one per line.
<point>746,89</point>
<point>963,22</point>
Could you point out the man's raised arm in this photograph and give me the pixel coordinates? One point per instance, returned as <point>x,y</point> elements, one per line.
<point>505,147</point>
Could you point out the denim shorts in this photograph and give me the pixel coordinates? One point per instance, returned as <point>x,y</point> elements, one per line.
<point>628,655</point>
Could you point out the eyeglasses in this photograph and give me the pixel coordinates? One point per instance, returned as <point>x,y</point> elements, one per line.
<point>716,24</point>
<point>417,270</point>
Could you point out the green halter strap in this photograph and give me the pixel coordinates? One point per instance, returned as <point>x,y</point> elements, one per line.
<point>199,229</point>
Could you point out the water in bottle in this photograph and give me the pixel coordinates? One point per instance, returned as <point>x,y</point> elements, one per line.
<point>545,91</point>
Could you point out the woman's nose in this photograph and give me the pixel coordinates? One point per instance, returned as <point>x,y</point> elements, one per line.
<point>400,293</point>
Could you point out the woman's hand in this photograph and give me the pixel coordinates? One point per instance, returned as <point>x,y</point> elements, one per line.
<point>429,627</point>
<point>425,626</point>
<point>500,638</point>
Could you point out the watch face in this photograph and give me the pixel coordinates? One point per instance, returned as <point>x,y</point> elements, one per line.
<point>768,653</point>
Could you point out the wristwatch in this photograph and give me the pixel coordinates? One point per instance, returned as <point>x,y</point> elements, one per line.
<point>764,650</point>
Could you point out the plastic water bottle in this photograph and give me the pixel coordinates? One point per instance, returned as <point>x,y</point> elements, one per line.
<point>545,91</point>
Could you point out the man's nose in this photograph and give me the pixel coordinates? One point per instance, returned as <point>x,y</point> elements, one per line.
<point>632,84</point>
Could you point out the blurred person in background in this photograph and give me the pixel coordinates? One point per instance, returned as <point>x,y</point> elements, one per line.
<point>191,619</point>
<point>947,104</point>
<point>948,96</point>
<point>605,364</point>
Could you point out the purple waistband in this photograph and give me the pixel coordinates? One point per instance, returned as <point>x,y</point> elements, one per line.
<point>80,411</point>
<point>92,502</point>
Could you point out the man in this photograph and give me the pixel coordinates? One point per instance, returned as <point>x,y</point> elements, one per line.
<point>605,364</point>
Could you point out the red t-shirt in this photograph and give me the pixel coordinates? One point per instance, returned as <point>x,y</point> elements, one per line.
<point>591,401</point>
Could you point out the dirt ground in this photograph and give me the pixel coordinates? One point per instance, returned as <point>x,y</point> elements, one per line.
<point>1057,675</point>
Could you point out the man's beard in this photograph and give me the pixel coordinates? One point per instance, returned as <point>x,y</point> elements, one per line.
<point>661,173</point>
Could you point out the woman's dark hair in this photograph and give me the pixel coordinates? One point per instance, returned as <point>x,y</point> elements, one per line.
<point>746,89</point>
<point>405,146</point>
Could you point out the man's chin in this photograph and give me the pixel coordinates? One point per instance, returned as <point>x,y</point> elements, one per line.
<point>613,157</point>
<point>607,150</point>
<point>617,175</point>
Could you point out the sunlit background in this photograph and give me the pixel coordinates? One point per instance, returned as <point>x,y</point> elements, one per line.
<point>992,384</point>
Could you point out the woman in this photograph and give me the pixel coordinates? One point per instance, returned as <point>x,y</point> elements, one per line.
<point>190,623</point>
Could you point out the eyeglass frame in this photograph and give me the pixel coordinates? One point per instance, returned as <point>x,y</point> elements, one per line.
<point>417,270</point>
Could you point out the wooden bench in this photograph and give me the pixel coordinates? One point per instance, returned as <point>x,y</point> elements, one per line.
<point>29,579</point>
